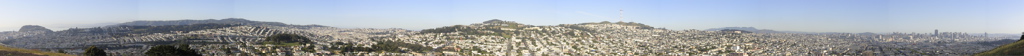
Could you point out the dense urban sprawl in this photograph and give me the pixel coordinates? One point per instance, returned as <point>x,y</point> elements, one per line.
<point>501,38</point>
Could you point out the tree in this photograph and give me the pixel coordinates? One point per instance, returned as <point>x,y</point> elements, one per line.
<point>93,51</point>
<point>187,50</point>
<point>309,48</point>
<point>605,22</point>
<point>61,51</point>
<point>226,50</point>
<point>493,21</point>
<point>168,50</point>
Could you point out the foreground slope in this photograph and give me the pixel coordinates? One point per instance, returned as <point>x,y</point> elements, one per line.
<point>1015,48</point>
<point>8,51</point>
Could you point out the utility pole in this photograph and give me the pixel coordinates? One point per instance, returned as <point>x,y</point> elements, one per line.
<point>620,15</point>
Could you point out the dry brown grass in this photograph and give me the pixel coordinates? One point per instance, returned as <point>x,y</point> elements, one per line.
<point>1012,49</point>
<point>35,52</point>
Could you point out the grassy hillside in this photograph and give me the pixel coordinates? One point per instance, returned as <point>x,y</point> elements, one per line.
<point>8,51</point>
<point>1012,49</point>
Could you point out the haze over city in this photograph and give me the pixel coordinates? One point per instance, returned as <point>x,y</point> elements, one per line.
<point>855,16</point>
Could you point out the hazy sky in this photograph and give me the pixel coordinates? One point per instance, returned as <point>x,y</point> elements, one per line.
<point>922,16</point>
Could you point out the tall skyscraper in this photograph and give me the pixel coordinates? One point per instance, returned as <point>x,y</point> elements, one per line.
<point>936,32</point>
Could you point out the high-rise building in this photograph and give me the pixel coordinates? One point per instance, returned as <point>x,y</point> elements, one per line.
<point>986,34</point>
<point>936,32</point>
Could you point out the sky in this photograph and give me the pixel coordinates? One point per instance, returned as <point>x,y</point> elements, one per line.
<point>855,16</point>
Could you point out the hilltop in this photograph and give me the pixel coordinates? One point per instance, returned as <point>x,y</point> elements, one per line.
<point>34,28</point>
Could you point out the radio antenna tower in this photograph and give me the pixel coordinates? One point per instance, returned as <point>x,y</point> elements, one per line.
<point>620,15</point>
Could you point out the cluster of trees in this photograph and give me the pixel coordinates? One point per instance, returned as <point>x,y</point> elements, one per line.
<point>286,38</point>
<point>446,29</point>
<point>507,24</point>
<point>94,51</point>
<point>309,48</point>
<point>168,50</point>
